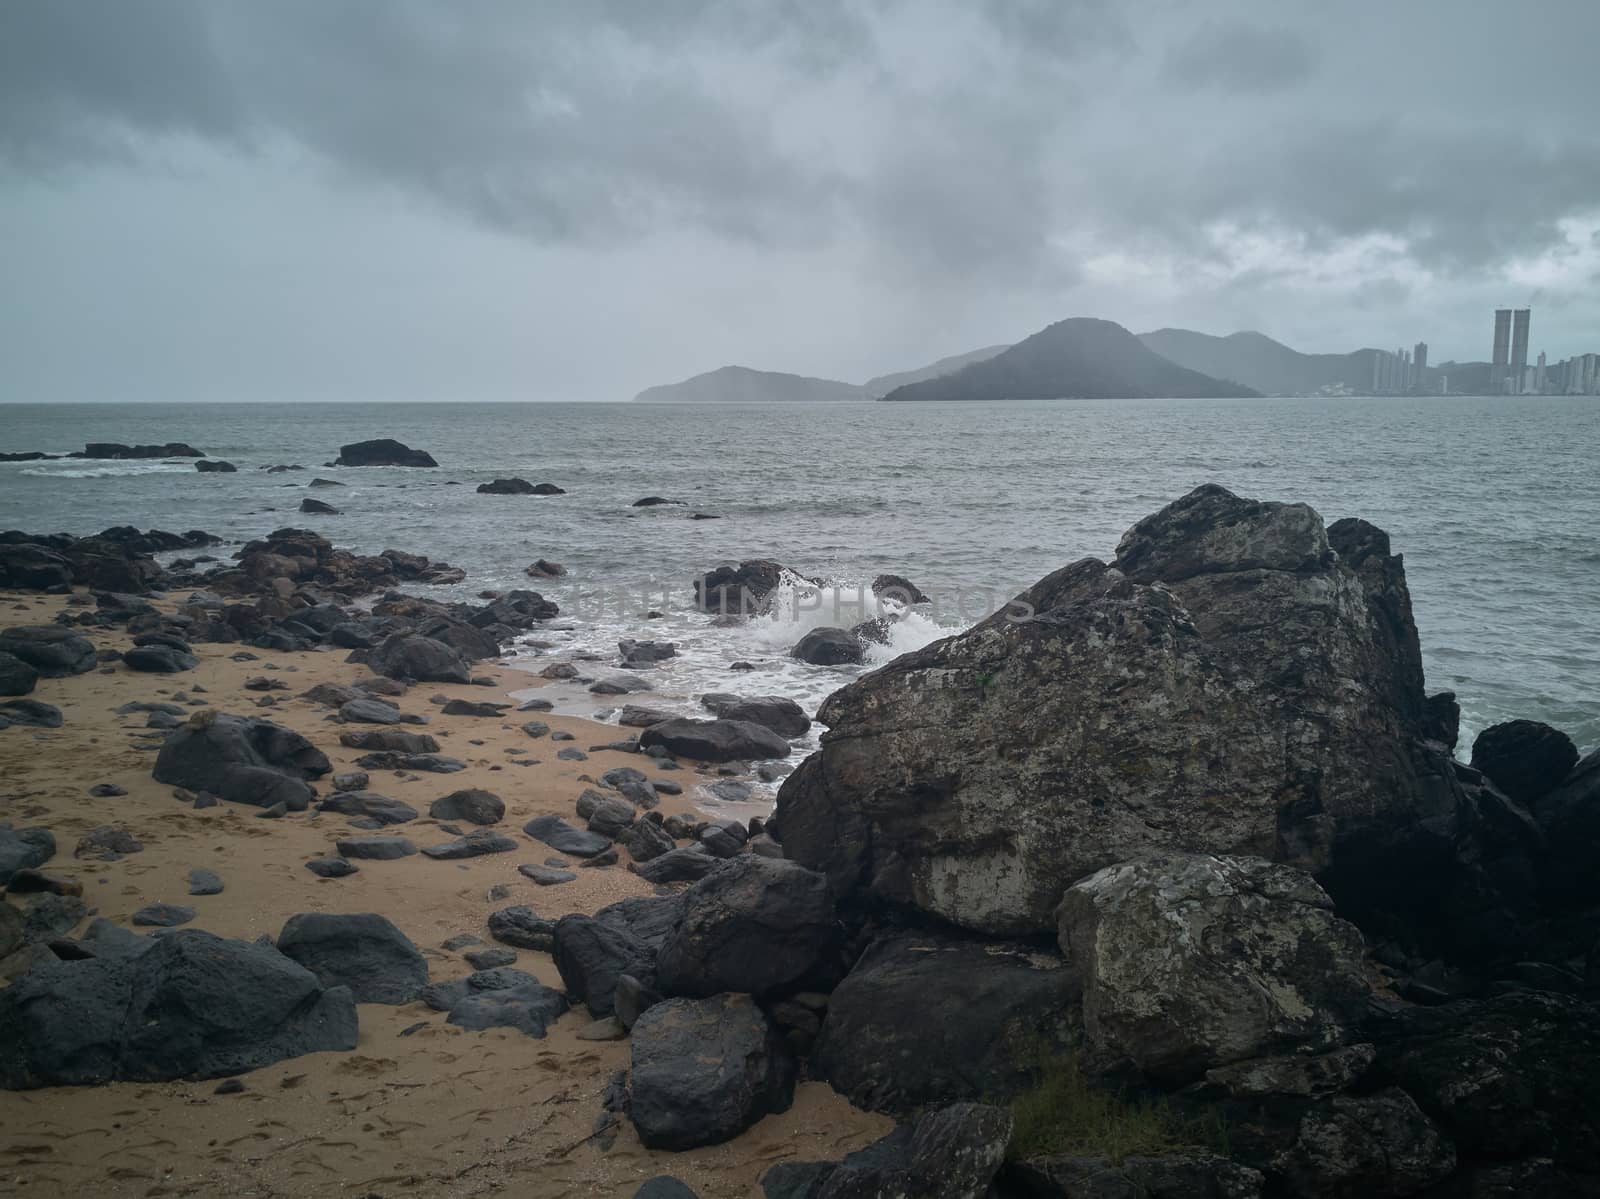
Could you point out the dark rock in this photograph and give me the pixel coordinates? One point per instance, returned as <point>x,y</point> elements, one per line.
<point>204,882</point>
<point>664,1186</point>
<point>899,589</point>
<point>506,487</point>
<point>1441,719</point>
<point>741,590</point>
<point>592,954</point>
<point>829,647</point>
<point>686,864</point>
<point>645,841</point>
<point>638,716</point>
<point>331,867</point>
<point>54,651</point>
<point>645,653</point>
<point>561,836</point>
<point>715,740</point>
<point>30,712</point>
<point>49,917</point>
<point>409,656</point>
<point>382,451</point>
<point>241,759</point>
<point>163,915</point>
<point>473,805</point>
<point>186,1005</point>
<point>546,876</point>
<point>704,1070</point>
<point>370,805</point>
<point>462,707</point>
<point>369,711</point>
<point>375,849</point>
<point>783,716</point>
<point>1276,970</point>
<point>889,1042</point>
<point>393,740</point>
<point>16,676</point>
<point>30,880</point>
<point>215,466</point>
<point>723,838</point>
<point>117,451</point>
<point>1524,758</point>
<point>610,815</point>
<point>363,951</point>
<point>1181,1174</point>
<point>530,1009</point>
<point>519,926</point>
<point>545,569</point>
<point>158,659</point>
<point>107,839</point>
<point>426,763</point>
<point>653,501</point>
<point>1374,1145</point>
<point>475,844</point>
<point>753,925</point>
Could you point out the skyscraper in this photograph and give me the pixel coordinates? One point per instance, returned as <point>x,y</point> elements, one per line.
<point>1419,367</point>
<point>1502,350</point>
<point>1520,320</point>
<point>1541,378</point>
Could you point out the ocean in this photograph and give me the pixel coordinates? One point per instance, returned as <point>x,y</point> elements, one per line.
<point>1495,503</point>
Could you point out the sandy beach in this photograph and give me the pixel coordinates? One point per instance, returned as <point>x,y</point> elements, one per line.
<point>420,1107</point>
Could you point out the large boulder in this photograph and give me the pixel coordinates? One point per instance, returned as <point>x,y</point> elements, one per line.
<point>704,1070</point>
<point>241,759</point>
<point>592,954</point>
<point>16,676</point>
<point>474,805</point>
<point>754,924</point>
<point>740,590</point>
<point>185,1004</point>
<point>1365,1147</point>
<point>24,849</point>
<point>1569,817</point>
<point>409,656</point>
<point>925,1020</point>
<point>1189,961</point>
<point>829,647</point>
<point>362,951</point>
<point>382,451</point>
<point>1524,758</point>
<point>511,486</point>
<point>1232,684</point>
<point>53,650</point>
<point>776,712</point>
<point>715,740</point>
<point>952,1153</point>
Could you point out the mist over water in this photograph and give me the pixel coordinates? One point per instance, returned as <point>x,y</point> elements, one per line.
<point>1493,502</point>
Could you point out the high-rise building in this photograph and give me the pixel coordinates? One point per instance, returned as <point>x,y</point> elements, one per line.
<point>1520,319</point>
<point>1502,350</point>
<point>1541,376</point>
<point>1419,357</point>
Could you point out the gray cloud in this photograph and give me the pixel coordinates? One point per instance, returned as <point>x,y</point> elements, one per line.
<point>962,171</point>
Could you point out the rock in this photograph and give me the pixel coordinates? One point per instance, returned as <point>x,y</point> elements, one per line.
<point>1375,1145</point>
<point>829,647</point>
<point>392,740</point>
<point>331,867</point>
<point>11,934</point>
<point>332,695</point>
<point>535,728</point>
<point>646,840</point>
<point>592,954</point>
<point>753,925</point>
<point>561,836</point>
<point>715,740</point>
<point>618,685</point>
<point>491,958</point>
<point>186,1005</point>
<point>899,589</point>
<point>889,1043</point>
<point>382,451</point>
<point>546,876</point>
<point>1232,651</point>
<point>204,882</point>
<point>559,670</point>
<point>653,501</point>
<point>519,926</point>
<point>741,590</point>
<point>215,466</point>
<point>317,507</point>
<point>664,1186</point>
<point>1189,961</point>
<point>954,1153</point>
<point>638,716</point>
<point>783,716</point>
<point>16,676</point>
<point>724,838</point>
<point>107,839</point>
<point>645,653</point>
<point>1524,758</point>
<point>1498,1075</point>
<point>375,849</point>
<point>30,712</point>
<point>427,763</point>
<point>51,916</point>
<point>241,759</point>
<point>423,659</point>
<point>704,1070</point>
<point>506,487</point>
<point>1176,1175</point>
<point>473,805</point>
<point>118,451</point>
<point>369,711</point>
<point>1569,817</point>
<point>364,952</point>
<point>370,805</point>
<point>1301,1075</point>
<point>461,707</point>
<point>54,651</point>
<point>158,659</point>
<point>545,569</point>
<point>529,1008</point>
<point>30,880</point>
<point>610,815</point>
<point>163,915</point>
<point>686,864</point>
<point>473,845</point>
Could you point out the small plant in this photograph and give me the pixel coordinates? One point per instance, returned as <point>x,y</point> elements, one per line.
<point>1064,1113</point>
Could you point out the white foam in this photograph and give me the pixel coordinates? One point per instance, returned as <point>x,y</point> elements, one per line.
<point>84,468</point>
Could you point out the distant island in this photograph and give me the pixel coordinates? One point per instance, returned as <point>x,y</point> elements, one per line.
<point>743,385</point>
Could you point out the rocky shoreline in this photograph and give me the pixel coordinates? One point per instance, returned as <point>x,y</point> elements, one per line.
<point>1164,881</point>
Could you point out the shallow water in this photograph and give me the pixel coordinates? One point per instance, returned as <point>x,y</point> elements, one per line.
<point>1492,501</point>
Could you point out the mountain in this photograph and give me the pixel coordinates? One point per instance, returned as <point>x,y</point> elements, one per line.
<point>1255,360</point>
<point>740,384</point>
<point>884,384</point>
<point>1081,358</point>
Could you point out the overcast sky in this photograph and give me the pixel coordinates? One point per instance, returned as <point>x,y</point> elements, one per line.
<point>431,199</point>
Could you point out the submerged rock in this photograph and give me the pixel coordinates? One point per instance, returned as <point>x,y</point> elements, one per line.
<point>382,451</point>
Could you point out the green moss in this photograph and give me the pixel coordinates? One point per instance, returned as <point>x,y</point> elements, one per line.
<point>1065,1114</point>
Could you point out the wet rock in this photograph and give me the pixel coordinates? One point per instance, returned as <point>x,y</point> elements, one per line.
<point>899,589</point>
<point>753,925</point>
<point>317,507</point>
<point>829,647</point>
<point>776,712</point>
<point>375,849</point>
<point>241,759</point>
<point>715,740</point>
<point>686,864</point>
<point>1524,758</point>
<point>741,590</point>
<point>506,487</point>
<point>473,805</point>
<point>363,951</point>
<point>1189,961</point>
<point>382,451</point>
<point>704,1070</point>
<point>187,1005</point>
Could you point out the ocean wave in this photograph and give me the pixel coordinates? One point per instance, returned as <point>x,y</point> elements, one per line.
<point>83,468</point>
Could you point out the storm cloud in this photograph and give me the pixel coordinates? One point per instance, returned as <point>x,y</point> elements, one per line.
<point>836,188</point>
